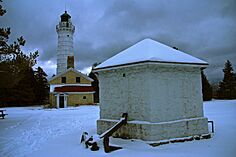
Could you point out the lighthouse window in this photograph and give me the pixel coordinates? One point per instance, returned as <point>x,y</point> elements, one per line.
<point>67,35</point>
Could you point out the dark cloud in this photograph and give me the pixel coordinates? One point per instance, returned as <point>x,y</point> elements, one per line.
<point>203,28</point>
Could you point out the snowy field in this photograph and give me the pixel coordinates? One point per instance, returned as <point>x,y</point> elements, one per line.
<point>37,132</point>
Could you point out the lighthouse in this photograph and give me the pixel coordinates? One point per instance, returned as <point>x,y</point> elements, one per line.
<point>68,87</point>
<point>65,30</point>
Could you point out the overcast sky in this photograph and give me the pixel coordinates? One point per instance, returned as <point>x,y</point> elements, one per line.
<point>203,28</point>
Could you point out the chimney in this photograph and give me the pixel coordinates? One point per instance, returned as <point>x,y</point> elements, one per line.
<point>70,62</point>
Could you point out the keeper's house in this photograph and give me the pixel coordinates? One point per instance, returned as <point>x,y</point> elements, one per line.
<point>71,88</point>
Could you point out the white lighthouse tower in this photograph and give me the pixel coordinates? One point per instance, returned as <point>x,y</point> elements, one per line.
<point>65,30</point>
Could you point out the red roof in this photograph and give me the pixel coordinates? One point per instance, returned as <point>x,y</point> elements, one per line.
<point>74,89</point>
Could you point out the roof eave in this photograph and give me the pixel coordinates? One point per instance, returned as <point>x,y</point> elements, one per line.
<point>201,65</point>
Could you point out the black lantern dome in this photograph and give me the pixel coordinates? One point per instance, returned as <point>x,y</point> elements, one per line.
<point>65,17</point>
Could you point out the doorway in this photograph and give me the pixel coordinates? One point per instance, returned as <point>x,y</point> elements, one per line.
<point>61,101</point>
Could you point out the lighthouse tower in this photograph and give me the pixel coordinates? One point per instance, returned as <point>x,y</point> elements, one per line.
<point>65,30</point>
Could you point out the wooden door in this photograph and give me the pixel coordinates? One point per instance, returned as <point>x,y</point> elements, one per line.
<point>61,101</point>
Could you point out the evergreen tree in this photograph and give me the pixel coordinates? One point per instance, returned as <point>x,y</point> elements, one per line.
<point>2,11</point>
<point>95,83</point>
<point>41,87</point>
<point>24,91</point>
<point>227,87</point>
<point>17,77</point>
<point>206,88</point>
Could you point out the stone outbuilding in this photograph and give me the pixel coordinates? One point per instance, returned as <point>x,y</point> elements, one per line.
<point>160,89</point>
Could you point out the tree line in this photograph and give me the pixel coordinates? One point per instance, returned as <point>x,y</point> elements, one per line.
<point>226,88</point>
<point>20,84</point>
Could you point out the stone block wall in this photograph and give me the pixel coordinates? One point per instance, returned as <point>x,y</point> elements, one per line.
<point>162,101</point>
<point>124,90</point>
<point>156,131</point>
<point>151,93</point>
<point>175,93</point>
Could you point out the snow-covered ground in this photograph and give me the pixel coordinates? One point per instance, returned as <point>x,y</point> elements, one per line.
<point>37,132</point>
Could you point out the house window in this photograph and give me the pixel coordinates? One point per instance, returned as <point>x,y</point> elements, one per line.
<point>84,97</point>
<point>63,79</point>
<point>123,74</point>
<point>77,79</point>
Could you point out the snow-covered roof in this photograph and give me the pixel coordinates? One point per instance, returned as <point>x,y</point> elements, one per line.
<point>149,50</point>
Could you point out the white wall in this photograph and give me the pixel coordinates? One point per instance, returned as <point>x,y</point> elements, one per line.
<point>65,44</point>
<point>156,131</point>
<point>175,93</point>
<point>120,94</point>
<point>162,101</point>
<point>151,93</point>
